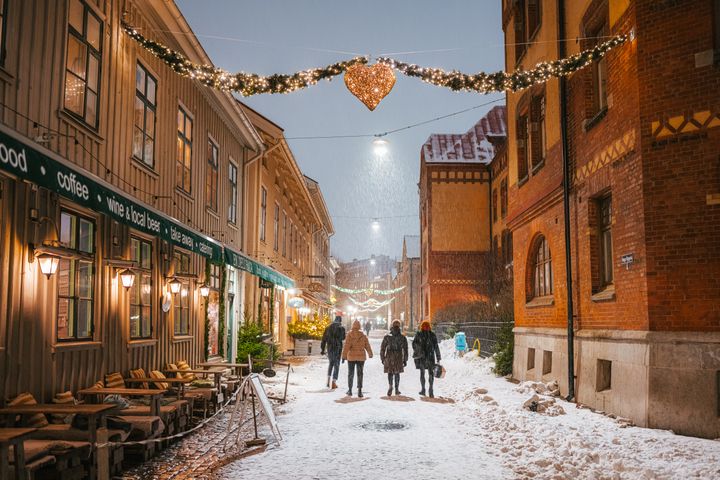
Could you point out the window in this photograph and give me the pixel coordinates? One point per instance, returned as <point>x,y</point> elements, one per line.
<point>3,18</point>
<point>263,212</point>
<point>76,278</point>
<point>527,23</point>
<point>495,205</point>
<point>181,302</point>
<point>291,240</point>
<point>276,228</point>
<point>547,362</point>
<point>183,160</point>
<point>537,130</point>
<point>542,269</point>
<point>233,178</point>
<point>284,234</point>
<point>530,358</point>
<point>605,236</point>
<point>507,247</point>
<point>215,272</point>
<point>82,67</point>
<point>503,198</point>
<point>141,291</point>
<point>522,144</point>
<point>145,105</point>
<point>603,378</point>
<point>599,73</point>
<point>211,177</point>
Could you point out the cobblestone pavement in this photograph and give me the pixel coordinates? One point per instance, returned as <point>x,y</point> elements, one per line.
<point>200,455</point>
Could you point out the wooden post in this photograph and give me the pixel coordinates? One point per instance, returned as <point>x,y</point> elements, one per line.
<point>103,454</point>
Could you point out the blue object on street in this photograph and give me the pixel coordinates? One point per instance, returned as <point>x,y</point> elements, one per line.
<point>460,341</point>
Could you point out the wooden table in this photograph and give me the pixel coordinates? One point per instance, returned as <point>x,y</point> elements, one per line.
<point>237,367</point>
<point>137,392</point>
<point>92,411</point>
<point>216,372</point>
<point>14,437</point>
<point>180,382</point>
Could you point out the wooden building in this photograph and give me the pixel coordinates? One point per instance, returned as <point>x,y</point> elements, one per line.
<point>288,228</point>
<point>112,161</point>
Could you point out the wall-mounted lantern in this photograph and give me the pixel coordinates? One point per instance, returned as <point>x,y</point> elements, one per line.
<point>127,278</point>
<point>204,290</point>
<point>175,285</point>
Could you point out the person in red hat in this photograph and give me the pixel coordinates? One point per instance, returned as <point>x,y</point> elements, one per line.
<point>426,354</point>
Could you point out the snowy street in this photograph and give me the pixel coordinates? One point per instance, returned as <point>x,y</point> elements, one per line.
<point>472,434</point>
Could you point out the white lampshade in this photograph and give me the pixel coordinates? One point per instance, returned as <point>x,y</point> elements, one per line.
<point>127,278</point>
<point>175,285</point>
<point>48,263</point>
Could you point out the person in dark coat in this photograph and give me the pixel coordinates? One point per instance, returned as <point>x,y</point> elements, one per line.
<point>394,356</point>
<point>426,354</point>
<point>332,343</point>
<point>367,328</point>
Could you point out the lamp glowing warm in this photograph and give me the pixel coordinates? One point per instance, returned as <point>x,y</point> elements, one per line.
<point>127,278</point>
<point>48,263</point>
<point>175,285</point>
<point>375,225</point>
<point>204,290</point>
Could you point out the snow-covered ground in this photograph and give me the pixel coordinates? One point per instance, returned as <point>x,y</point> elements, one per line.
<point>480,435</point>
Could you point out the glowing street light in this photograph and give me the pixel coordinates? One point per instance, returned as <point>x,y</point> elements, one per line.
<point>375,225</point>
<point>380,147</point>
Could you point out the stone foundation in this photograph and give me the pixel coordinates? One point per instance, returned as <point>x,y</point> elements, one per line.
<point>668,380</point>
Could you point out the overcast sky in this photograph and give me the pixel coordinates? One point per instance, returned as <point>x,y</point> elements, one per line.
<point>273,36</point>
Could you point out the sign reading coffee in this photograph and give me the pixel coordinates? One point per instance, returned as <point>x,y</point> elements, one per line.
<point>29,163</point>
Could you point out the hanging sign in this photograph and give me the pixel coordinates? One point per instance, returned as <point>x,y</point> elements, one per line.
<point>30,163</point>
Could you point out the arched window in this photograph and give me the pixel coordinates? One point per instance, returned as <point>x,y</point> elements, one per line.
<point>542,269</point>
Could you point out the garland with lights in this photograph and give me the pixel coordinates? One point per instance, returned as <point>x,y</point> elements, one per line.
<point>371,83</point>
<point>246,84</point>
<point>367,291</point>
<point>502,81</point>
<point>371,302</point>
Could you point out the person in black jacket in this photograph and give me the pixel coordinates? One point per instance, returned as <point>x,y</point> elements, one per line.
<point>426,354</point>
<point>394,356</point>
<point>332,343</point>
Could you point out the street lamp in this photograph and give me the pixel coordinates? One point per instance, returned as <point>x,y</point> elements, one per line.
<point>174,285</point>
<point>127,278</point>
<point>375,225</point>
<point>48,264</point>
<point>380,147</point>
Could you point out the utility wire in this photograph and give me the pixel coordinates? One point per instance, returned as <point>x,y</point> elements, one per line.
<point>396,130</point>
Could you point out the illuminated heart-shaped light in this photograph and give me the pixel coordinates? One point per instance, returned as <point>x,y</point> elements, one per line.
<point>370,84</point>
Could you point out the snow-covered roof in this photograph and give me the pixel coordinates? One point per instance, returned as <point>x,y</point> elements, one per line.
<point>472,146</point>
<point>412,246</point>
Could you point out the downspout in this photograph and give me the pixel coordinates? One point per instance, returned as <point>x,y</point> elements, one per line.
<point>566,206</point>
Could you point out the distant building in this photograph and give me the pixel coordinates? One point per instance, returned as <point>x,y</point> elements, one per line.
<point>376,273</point>
<point>407,306</point>
<point>454,222</point>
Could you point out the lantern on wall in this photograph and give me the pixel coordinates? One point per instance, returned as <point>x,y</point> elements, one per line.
<point>204,290</point>
<point>48,263</point>
<point>127,278</point>
<point>175,285</point>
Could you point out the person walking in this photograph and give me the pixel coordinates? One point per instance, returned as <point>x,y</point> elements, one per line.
<point>426,354</point>
<point>332,343</point>
<point>394,356</point>
<point>356,344</point>
<point>368,326</point>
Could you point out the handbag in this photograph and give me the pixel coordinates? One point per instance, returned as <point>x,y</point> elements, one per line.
<point>438,371</point>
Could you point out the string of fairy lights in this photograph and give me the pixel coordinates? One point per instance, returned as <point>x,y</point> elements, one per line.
<point>366,79</point>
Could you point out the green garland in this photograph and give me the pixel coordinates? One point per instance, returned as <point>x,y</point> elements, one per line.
<point>247,84</point>
<point>502,81</point>
<point>271,313</point>
<point>367,291</point>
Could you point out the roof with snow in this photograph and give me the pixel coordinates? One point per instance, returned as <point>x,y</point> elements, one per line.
<point>473,146</point>
<point>412,246</point>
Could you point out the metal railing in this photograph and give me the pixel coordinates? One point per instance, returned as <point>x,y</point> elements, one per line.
<point>485,331</point>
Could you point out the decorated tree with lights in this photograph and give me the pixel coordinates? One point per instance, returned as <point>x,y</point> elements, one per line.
<point>309,328</point>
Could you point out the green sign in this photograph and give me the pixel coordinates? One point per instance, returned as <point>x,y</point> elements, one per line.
<point>31,164</point>
<point>238,260</point>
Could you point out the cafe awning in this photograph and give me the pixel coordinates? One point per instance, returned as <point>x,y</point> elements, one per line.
<point>47,169</point>
<point>243,262</point>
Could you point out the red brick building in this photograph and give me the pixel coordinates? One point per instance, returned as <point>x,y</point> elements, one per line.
<point>454,205</point>
<point>644,198</point>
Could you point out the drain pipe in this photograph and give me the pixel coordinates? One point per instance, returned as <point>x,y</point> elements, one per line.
<point>566,205</point>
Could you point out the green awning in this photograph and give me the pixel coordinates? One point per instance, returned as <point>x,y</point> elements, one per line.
<point>243,262</point>
<point>49,170</point>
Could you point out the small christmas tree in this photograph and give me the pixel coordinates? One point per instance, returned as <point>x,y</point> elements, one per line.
<point>311,328</point>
